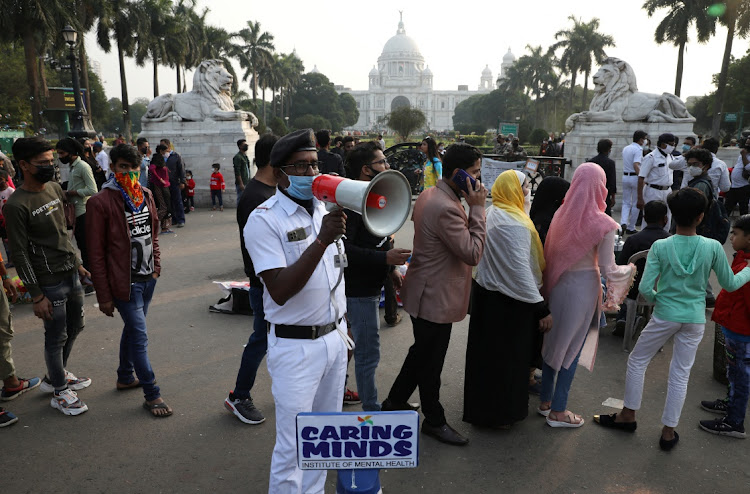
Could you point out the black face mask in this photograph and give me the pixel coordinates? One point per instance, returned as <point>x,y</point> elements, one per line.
<point>144,151</point>
<point>44,173</point>
<point>245,147</point>
<point>66,160</point>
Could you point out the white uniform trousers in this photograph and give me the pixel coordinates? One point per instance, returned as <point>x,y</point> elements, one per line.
<point>307,376</point>
<point>651,194</point>
<point>629,200</point>
<point>654,336</point>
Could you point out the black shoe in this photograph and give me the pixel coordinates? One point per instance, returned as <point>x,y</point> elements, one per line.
<point>668,445</point>
<point>389,406</point>
<point>716,406</point>
<point>88,290</point>
<point>445,434</point>
<point>244,410</point>
<point>609,422</point>
<point>631,232</point>
<point>723,428</point>
<point>619,328</point>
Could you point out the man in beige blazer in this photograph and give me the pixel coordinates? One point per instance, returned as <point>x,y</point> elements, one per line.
<point>437,285</point>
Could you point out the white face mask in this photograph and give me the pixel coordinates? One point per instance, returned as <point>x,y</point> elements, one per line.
<point>695,171</point>
<point>645,145</point>
<point>669,149</point>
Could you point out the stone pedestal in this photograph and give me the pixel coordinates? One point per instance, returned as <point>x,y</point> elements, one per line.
<point>203,143</point>
<point>580,143</point>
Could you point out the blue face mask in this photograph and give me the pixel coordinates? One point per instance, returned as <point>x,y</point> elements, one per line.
<point>685,148</point>
<point>300,187</point>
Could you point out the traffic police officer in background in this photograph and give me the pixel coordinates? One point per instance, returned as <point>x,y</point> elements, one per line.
<point>655,175</point>
<point>294,248</point>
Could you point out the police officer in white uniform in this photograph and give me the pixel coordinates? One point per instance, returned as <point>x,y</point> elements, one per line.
<point>294,248</point>
<point>655,177</point>
<point>632,155</point>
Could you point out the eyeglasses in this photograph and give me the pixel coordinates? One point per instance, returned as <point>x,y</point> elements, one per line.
<point>43,163</point>
<point>384,162</point>
<point>302,166</point>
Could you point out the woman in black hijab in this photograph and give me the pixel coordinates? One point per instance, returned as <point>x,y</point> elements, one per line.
<point>548,198</point>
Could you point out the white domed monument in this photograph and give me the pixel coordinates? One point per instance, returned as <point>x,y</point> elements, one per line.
<point>204,127</point>
<point>617,110</point>
<point>401,77</point>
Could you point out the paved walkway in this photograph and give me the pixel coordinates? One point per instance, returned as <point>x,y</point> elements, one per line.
<point>116,447</point>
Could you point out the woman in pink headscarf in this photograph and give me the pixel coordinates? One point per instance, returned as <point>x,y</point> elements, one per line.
<point>579,250</point>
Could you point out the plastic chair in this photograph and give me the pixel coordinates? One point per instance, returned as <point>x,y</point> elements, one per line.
<point>638,312</point>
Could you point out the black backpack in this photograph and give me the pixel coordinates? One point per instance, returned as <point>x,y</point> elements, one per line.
<point>716,224</point>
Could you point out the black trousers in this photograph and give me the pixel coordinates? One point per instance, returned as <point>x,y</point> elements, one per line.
<point>80,235</point>
<point>737,196</point>
<point>422,368</point>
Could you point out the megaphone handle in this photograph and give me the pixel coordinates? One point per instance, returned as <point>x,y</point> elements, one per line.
<point>330,207</point>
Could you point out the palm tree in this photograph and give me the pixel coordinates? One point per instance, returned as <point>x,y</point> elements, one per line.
<point>582,46</point>
<point>256,48</point>
<point>33,22</point>
<point>152,42</point>
<point>675,26</point>
<point>292,69</point>
<point>122,21</point>
<point>184,38</point>
<point>737,20</point>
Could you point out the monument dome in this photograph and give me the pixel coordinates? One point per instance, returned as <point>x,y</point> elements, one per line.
<point>401,46</point>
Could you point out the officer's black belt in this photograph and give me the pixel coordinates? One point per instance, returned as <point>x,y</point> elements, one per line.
<point>302,332</point>
<point>630,174</point>
<point>660,187</point>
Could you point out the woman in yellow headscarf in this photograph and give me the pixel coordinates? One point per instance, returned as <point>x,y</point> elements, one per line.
<point>506,309</point>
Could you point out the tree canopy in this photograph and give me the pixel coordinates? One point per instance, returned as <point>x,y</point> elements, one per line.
<point>404,120</point>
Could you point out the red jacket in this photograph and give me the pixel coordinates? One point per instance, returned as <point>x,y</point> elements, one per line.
<point>190,187</point>
<point>732,309</point>
<point>108,241</point>
<point>217,181</point>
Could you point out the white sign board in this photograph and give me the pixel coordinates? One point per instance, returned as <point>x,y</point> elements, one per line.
<point>357,440</point>
<point>491,169</point>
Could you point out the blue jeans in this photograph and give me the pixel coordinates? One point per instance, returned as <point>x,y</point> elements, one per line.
<point>255,349</point>
<point>134,339</point>
<point>738,372</point>
<point>216,194</point>
<point>178,211</point>
<point>561,387</point>
<point>239,192</point>
<point>365,320</point>
<point>67,322</point>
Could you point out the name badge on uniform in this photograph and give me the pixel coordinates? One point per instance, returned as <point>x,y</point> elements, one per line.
<point>340,261</point>
<point>300,233</point>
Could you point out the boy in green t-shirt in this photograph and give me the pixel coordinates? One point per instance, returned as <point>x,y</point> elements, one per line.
<point>682,264</point>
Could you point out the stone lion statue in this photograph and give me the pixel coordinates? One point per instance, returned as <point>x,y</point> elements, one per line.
<point>616,99</point>
<point>209,99</point>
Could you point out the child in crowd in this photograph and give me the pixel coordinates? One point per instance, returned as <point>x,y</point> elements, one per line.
<point>682,263</point>
<point>5,191</point>
<point>190,190</point>
<point>732,313</point>
<point>655,214</point>
<point>217,185</point>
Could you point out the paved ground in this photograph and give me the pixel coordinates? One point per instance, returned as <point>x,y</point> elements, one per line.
<point>117,447</point>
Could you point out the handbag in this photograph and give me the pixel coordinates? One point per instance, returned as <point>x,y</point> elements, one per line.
<point>70,215</point>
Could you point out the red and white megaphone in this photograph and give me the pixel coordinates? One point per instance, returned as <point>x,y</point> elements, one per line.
<point>384,202</point>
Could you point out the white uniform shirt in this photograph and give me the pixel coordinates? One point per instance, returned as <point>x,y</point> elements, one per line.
<point>103,159</point>
<point>655,168</point>
<point>268,242</point>
<point>632,153</point>
<point>737,179</point>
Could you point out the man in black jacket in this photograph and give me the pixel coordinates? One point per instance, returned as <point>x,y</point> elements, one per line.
<point>329,162</point>
<point>371,259</point>
<point>604,147</point>
<point>177,181</point>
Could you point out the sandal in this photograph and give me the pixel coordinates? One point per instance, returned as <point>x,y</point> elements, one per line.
<point>122,387</point>
<point>609,422</point>
<point>568,422</point>
<point>543,412</point>
<point>158,406</point>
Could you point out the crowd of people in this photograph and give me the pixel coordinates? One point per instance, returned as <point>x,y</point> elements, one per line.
<point>534,278</point>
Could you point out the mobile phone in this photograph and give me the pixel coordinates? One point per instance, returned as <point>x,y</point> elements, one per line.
<point>460,180</point>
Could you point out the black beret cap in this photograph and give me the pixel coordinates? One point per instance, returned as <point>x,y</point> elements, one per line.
<point>666,137</point>
<point>299,140</point>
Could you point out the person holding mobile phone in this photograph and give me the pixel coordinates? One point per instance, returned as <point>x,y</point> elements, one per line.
<point>435,291</point>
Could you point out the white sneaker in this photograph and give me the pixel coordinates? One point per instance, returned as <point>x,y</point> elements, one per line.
<point>74,383</point>
<point>67,402</point>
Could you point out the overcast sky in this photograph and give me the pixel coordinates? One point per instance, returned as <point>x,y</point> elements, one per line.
<point>456,39</point>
